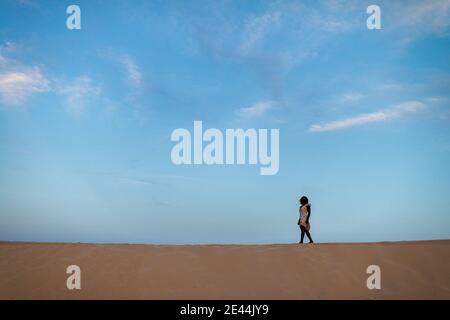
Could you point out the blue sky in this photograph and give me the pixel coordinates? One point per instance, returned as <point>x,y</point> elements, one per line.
<point>86,117</point>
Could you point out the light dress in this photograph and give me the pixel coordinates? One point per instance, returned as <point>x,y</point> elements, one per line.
<point>303,211</point>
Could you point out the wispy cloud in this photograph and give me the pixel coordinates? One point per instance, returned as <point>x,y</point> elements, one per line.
<point>437,99</point>
<point>135,181</point>
<point>131,70</point>
<point>427,16</point>
<point>19,81</point>
<point>255,28</point>
<point>351,97</point>
<point>17,86</point>
<point>256,110</point>
<point>394,112</point>
<point>79,92</point>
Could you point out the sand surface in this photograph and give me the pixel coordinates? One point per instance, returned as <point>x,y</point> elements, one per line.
<point>409,270</point>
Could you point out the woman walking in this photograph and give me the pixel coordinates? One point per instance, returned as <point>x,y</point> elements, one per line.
<point>303,221</point>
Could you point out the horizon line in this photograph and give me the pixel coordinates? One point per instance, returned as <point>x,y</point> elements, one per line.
<point>220,244</point>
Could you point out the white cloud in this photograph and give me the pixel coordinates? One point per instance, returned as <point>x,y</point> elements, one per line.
<point>18,81</point>
<point>256,110</point>
<point>130,68</point>
<point>137,181</point>
<point>132,71</point>
<point>79,92</point>
<point>255,29</point>
<point>351,97</point>
<point>430,15</point>
<point>388,114</point>
<point>17,86</point>
<point>437,99</point>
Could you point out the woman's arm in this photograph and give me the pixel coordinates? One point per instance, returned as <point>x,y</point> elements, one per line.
<point>309,213</point>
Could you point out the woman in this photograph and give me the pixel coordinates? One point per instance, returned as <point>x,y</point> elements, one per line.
<point>303,221</point>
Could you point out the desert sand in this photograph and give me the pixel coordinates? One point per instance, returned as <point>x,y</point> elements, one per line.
<point>409,270</point>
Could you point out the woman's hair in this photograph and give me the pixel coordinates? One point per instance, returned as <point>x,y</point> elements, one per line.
<point>304,200</point>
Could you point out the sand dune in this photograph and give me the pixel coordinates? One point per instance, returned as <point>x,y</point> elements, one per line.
<point>409,270</point>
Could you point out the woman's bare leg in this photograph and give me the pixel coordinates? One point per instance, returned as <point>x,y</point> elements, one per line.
<point>302,229</point>
<point>309,237</point>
